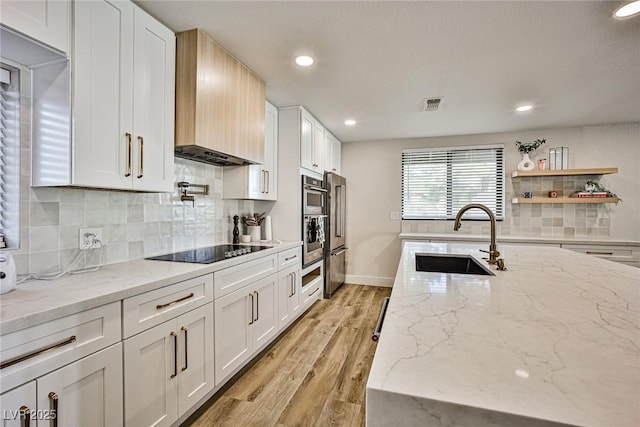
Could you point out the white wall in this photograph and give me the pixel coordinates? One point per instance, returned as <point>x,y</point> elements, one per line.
<point>373,172</point>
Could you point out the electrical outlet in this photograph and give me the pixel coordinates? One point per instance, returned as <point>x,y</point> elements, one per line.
<point>395,216</point>
<point>87,236</point>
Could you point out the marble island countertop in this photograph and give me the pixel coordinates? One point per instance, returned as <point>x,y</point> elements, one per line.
<point>38,301</point>
<point>553,340</point>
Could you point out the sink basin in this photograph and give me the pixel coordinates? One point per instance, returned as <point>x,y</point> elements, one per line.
<point>447,263</point>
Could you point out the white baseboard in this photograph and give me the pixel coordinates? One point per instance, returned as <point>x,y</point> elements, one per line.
<point>369,280</point>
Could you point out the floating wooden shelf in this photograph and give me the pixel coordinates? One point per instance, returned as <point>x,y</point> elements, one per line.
<point>567,200</point>
<point>565,172</point>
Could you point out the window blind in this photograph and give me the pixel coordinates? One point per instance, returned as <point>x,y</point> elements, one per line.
<point>437,182</point>
<point>9,157</point>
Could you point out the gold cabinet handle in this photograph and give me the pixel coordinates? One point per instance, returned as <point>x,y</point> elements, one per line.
<point>175,355</point>
<point>25,416</point>
<point>598,253</point>
<point>263,175</point>
<point>252,319</point>
<point>53,405</point>
<point>186,349</point>
<point>267,181</point>
<point>128,173</point>
<point>257,305</point>
<point>141,162</point>
<point>161,306</point>
<point>295,282</point>
<point>291,257</point>
<point>19,359</point>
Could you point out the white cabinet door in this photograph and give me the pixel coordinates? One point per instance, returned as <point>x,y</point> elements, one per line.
<point>87,392</point>
<point>271,152</point>
<point>195,355</point>
<point>124,79</point>
<point>307,147</point>
<point>103,93</point>
<point>154,100</point>
<point>288,295</point>
<point>19,405</point>
<point>318,147</point>
<point>44,20</point>
<point>150,376</point>
<point>336,155</point>
<point>265,325</point>
<point>233,320</point>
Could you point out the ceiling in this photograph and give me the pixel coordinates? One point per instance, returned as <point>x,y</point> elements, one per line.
<point>376,61</point>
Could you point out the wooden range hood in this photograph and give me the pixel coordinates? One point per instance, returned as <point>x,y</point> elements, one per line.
<point>220,104</point>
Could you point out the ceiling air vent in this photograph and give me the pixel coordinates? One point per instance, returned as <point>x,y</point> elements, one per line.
<point>432,104</point>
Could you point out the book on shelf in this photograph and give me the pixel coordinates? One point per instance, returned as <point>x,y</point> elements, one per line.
<point>593,194</point>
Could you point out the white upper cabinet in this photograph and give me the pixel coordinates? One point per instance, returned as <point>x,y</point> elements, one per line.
<point>124,98</point>
<point>46,21</point>
<point>257,182</point>
<point>312,144</point>
<point>123,80</point>
<point>332,155</point>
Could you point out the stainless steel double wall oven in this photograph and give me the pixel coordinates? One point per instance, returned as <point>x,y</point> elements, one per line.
<point>313,219</point>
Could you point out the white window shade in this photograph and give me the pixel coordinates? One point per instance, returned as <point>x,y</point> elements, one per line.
<point>9,158</point>
<point>437,182</point>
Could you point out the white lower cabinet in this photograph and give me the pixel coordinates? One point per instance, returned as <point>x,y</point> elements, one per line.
<point>245,321</point>
<point>288,295</point>
<point>85,393</point>
<point>168,368</point>
<point>19,405</point>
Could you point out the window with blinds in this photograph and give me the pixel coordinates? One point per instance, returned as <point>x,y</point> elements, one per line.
<point>9,157</point>
<point>437,182</point>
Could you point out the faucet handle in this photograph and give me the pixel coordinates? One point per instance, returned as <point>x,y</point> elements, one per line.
<point>495,253</point>
<point>501,265</point>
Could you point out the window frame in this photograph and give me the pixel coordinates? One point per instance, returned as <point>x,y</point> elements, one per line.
<point>500,201</point>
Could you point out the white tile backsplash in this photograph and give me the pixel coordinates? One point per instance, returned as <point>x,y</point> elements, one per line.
<point>134,225</point>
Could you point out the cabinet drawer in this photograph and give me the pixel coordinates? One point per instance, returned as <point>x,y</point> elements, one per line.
<point>312,292</point>
<point>152,308</point>
<point>233,278</point>
<point>289,257</point>
<point>34,351</point>
<point>612,253</point>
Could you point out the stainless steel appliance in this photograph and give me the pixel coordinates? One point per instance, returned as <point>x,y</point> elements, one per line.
<point>313,220</point>
<point>335,249</point>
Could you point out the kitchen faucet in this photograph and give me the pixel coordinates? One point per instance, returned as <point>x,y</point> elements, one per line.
<point>493,248</point>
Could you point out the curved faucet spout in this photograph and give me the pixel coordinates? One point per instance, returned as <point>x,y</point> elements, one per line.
<point>493,248</point>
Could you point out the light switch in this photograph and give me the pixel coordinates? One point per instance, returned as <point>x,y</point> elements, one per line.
<point>395,215</point>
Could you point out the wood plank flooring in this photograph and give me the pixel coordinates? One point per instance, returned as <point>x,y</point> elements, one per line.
<point>315,374</point>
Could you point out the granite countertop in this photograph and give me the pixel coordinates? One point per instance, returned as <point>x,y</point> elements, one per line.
<point>555,339</point>
<point>454,237</point>
<point>38,301</point>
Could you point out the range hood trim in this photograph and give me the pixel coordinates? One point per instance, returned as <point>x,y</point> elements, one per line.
<point>205,155</point>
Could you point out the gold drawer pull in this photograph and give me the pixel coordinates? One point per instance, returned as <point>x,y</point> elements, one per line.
<point>291,257</point>
<point>141,159</point>
<point>19,359</point>
<point>128,173</point>
<point>599,253</point>
<point>161,306</point>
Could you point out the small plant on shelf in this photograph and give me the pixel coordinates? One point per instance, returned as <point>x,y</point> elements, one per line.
<point>526,148</point>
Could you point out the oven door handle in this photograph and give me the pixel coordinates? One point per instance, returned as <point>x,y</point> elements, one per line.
<point>309,187</point>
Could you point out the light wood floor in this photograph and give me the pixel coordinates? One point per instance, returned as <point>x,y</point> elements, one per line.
<point>315,375</point>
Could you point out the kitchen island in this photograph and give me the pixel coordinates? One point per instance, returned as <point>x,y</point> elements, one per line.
<point>553,340</point>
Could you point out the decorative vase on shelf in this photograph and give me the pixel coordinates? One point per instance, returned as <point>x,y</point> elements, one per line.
<point>526,164</point>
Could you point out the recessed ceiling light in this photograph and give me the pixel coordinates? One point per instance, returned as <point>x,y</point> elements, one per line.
<point>304,61</point>
<point>350,122</point>
<point>628,10</point>
<point>523,108</point>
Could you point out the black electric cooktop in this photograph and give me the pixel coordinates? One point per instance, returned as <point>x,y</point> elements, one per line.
<point>210,254</point>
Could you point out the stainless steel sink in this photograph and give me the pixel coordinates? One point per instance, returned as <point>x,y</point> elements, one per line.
<point>447,263</point>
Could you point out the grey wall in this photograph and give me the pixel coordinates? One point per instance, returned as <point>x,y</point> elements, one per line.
<point>373,173</point>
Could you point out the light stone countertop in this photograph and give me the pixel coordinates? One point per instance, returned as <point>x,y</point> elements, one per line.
<point>461,237</point>
<point>553,340</point>
<point>38,301</point>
